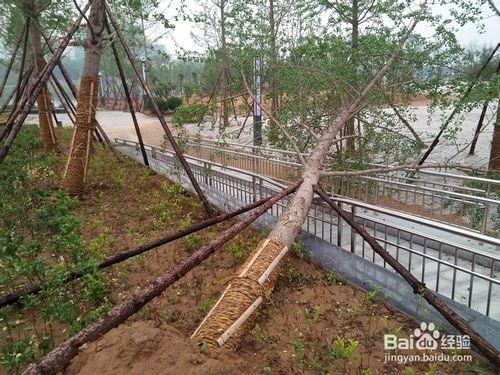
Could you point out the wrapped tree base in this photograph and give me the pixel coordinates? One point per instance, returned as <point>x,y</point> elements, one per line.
<point>233,315</point>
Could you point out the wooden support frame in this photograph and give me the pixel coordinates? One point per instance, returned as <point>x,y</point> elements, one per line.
<point>127,96</point>
<point>43,77</point>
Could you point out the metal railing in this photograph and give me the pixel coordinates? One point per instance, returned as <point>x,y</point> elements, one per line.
<point>461,200</point>
<point>447,258</point>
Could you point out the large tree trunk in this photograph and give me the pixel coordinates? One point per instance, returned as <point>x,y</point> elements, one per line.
<point>246,290</point>
<point>76,169</point>
<point>494,164</point>
<point>43,101</point>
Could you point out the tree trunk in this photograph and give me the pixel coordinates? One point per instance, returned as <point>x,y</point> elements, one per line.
<point>224,76</point>
<point>274,59</point>
<point>247,289</point>
<point>76,169</point>
<point>494,164</point>
<point>350,129</point>
<point>43,101</point>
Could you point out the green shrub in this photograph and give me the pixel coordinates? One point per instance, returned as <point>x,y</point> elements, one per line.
<point>160,102</point>
<point>189,113</point>
<point>173,102</point>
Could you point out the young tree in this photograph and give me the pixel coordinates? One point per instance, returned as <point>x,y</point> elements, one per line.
<point>34,9</point>
<point>247,289</point>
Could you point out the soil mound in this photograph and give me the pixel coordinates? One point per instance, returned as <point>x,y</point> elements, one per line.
<point>142,348</point>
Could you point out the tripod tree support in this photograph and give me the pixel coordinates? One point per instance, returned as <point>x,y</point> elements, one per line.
<point>156,110</point>
<point>418,287</point>
<point>60,356</point>
<point>16,121</point>
<point>128,97</point>
<point>74,91</point>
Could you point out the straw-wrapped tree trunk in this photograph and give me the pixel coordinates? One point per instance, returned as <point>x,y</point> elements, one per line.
<point>43,101</point>
<point>78,160</point>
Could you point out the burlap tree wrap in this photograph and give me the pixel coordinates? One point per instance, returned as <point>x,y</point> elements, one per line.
<point>44,114</point>
<point>78,160</point>
<point>234,314</point>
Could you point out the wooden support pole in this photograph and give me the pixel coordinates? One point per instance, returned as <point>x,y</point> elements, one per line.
<point>60,356</point>
<point>12,58</point>
<point>44,75</point>
<point>418,287</point>
<point>457,107</point>
<point>128,97</point>
<point>14,296</point>
<point>26,78</point>
<point>19,93</point>
<point>478,129</point>
<point>65,105</point>
<point>99,131</point>
<point>156,110</point>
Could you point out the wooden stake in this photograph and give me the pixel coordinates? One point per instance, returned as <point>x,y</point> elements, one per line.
<point>163,123</point>
<point>418,287</point>
<point>128,97</point>
<point>12,58</point>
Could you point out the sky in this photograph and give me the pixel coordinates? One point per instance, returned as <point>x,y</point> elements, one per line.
<point>181,36</point>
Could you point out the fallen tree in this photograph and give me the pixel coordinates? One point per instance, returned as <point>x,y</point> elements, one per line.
<point>232,316</point>
<point>60,356</point>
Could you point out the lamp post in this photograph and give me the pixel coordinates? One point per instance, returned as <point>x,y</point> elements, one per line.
<point>257,111</point>
<point>144,75</point>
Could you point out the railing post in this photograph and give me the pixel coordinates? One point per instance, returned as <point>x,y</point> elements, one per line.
<point>153,152</point>
<point>254,189</point>
<point>339,228</point>
<point>205,172</point>
<point>485,219</point>
<point>210,174</point>
<point>353,233</point>
<point>261,182</point>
